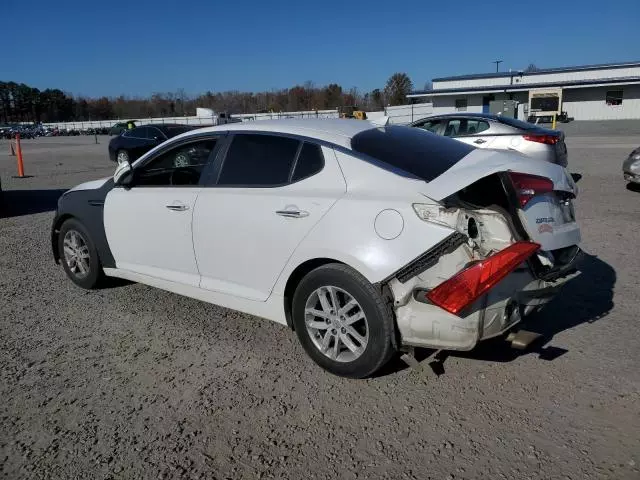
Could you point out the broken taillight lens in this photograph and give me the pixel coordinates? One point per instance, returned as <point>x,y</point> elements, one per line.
<point>528,186</point>
<point>469,284</point>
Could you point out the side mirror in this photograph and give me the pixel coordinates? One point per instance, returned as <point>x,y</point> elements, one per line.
<point>123,174</point>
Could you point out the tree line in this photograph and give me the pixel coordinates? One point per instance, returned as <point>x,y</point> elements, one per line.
<point>22,103</point>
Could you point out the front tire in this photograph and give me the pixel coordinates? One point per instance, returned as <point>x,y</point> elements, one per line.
<point>78,255</point>
<point>342,321</point>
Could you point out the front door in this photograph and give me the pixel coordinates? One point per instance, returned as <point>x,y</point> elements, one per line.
<point>270,192</point>
<point>148,225</point>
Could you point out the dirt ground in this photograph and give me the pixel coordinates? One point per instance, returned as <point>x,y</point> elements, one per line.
<point>133,382</point>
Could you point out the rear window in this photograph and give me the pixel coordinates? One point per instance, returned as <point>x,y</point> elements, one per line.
<point>412,150</point>
<point>512,122</point>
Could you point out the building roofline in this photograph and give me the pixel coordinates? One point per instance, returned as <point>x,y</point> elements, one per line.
<point>524,86</point>
<point>541,71</point>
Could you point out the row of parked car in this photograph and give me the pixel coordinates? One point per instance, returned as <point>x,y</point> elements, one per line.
<point>39,130</point>
<point>35,131</point>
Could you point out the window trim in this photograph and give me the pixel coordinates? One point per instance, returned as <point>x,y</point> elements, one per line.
<point>213,182</point>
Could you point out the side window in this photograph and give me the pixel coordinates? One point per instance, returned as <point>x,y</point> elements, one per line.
<point>179,166</point>
<point>431,125</point>
<point>476,126</point>
<point>155,133</point>
<point>453,127</point>
<point>310,161</point>
<point>258,161</point>
<point>139,132</point>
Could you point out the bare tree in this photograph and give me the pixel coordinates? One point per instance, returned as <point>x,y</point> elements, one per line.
<point>398,87</point>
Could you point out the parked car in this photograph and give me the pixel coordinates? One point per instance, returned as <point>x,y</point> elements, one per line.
<point>363,239</point>
<point>131,144</point>
<point>483,130</point>
<point>631,167</point>
<point>121,127</point>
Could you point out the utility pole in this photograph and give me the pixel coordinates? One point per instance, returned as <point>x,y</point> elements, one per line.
<point>497,62</point>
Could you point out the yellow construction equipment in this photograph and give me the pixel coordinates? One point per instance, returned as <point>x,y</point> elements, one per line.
<point>352,111</point>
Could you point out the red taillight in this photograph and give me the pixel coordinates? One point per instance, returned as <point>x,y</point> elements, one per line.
<point>528,186</point>
<point>546,139</point>
<point>469,284</point>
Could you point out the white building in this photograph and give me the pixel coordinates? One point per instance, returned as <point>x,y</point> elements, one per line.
<point>589,92</point>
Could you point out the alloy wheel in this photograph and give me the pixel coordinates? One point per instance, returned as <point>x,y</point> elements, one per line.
<point>76,253</point>
<point>336,324</point>
<point>122,156</point>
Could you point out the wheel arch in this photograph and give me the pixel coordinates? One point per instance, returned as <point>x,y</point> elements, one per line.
<point>55,232</point>
<point>296,275</point>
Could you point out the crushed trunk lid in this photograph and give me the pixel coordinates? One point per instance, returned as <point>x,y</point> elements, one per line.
<point>548,218</point>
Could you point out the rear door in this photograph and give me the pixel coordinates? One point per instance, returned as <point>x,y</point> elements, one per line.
<point>472,131</point>
<point>270,191</point>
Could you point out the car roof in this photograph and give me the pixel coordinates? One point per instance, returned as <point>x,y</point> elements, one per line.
<point>333,130</point>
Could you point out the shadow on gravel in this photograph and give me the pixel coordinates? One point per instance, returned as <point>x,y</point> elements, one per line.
<point>16,203</point>
<point>585,299</point>
<point>634,187</point>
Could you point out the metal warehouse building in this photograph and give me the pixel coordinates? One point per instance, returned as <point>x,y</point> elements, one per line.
<point>588,92</point>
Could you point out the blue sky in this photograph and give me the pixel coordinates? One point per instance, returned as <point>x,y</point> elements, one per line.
<point>137,47</point>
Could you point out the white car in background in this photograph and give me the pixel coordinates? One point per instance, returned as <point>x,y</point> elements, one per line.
<point>365,239</point>
<point>485,130</point>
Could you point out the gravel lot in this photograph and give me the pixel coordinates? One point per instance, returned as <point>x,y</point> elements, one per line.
<point>133,382</point>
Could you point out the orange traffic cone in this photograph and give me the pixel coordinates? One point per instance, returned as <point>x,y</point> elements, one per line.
<point>19,155</point>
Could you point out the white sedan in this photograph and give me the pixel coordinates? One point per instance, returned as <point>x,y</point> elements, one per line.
<point>364,239</point>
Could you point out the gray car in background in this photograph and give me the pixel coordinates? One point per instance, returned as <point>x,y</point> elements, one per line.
<point>631,167</point>
<point>484,130</point>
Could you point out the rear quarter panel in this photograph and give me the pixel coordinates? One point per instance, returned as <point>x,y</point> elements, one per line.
<point>348,232</point>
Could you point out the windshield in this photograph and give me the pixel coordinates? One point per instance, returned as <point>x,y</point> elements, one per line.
<point>411,150</point>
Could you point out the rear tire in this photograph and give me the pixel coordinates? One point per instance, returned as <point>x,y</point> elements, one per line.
<point>349,332</point>
<point>78,255</point>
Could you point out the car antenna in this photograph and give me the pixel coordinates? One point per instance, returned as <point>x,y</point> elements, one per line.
<point>380,122</point>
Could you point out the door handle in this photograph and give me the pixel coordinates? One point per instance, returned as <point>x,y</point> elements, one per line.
<point>292,213</point>
<point>178,207</point>
<point>480,141</point>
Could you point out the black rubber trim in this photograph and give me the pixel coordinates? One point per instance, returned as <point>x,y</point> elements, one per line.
<point>87,206</point>
<point>430,257</point>
<point>569,266</point>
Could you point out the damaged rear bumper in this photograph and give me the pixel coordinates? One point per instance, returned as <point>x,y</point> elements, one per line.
<point>422,324</point>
